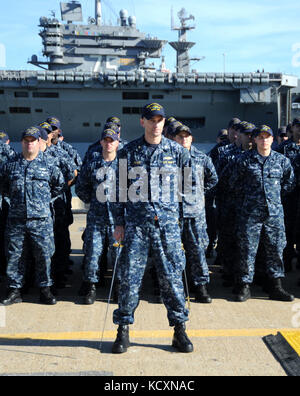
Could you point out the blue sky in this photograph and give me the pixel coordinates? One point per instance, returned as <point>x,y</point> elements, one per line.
<point>254,35</point>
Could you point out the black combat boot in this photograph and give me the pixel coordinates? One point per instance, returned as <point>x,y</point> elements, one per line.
<point>181,340</point>
<point>242,292</point>
<point>202,295</point>
<point>122,342</point>
<point>46,297</point>
<point>13,296</point>
<point>91,294</point>
<point>277,293</point>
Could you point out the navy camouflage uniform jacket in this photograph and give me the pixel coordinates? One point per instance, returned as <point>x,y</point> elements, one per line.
<point>66,166</point>
<point>291,150</point>
<point>203,179</point>
<point>148,203</point>
<point>262,184</point>
<point>31,186</point>
<point>225,153</point>
<point>6,154</point>
<point>94,175</point>
<point>72,153</point>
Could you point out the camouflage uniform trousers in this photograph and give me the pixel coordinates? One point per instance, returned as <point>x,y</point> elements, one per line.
<point>39,234</point>
<point>164,241</point>
<point>195,242</point>
<point>95,236</point>
<point>270,232</point>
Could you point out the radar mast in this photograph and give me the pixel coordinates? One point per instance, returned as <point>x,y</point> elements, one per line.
<point>182,46</point>
<point>98,12</point>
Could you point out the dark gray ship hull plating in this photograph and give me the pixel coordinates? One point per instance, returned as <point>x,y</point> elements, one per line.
<point>83,101</point>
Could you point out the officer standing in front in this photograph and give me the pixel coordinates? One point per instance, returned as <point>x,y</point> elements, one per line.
<point>148,223</point>
<point>261,177</point>
<point>30,181</point>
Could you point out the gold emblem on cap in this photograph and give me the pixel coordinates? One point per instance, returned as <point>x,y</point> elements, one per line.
<point>32,131</point>
<point>154,107</point>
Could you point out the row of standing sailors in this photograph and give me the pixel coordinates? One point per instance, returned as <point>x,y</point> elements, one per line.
<point>57,243</point>
<point>221,213</point>
<point>217,220</point>
<point>52,230</point>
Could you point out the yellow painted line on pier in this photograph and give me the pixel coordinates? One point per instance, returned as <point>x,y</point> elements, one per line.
<point>293,338</point>
<point>155,334</point>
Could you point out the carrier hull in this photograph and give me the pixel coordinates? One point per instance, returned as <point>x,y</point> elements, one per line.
<point>83,101</point>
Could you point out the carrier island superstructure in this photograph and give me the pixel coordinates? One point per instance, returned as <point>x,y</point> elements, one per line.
<point>92,71</point>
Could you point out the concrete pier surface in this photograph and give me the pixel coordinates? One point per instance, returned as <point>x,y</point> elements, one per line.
<point>64,339</point>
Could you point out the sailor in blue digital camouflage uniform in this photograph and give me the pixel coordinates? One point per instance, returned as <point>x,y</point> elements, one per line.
<point>96,185</point>
<point>148,220</point>
<point>60,259</point>
<point>169,132</point>
<point>117,121</point>
<point>72,152</point>
<point>96,147</point>
<point>234,147</point>
<point>222,140</point>
<point>194,228</point>
<point>75,159</point>
<point>289,134</point>
<point>282,136</point>
<point>220,161</point>
<point>30,181</point>
<point>6,154</point>
<point>297,214</point>
<point>94,152</point>
<point>62,144</point>
<point>290,201</point>
<point>261,177</point>
<point>228,202</point>
<point>210,202</point>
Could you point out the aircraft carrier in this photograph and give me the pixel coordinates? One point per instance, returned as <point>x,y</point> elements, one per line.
<point>92,71</point>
